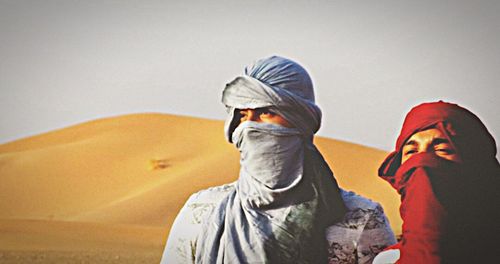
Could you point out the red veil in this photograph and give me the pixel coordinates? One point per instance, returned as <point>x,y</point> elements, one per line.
<point>449,209</point>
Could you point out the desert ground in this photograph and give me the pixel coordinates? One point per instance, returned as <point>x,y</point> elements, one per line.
<point>107,191</point>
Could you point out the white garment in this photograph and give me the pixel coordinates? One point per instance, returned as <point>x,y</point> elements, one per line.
<point>387,257</point>
<point>363,233</point>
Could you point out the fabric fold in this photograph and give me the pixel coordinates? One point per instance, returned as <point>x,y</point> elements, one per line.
<point>286,194</point>
<point>449,209</point>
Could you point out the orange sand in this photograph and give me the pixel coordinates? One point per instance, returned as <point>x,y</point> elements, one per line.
<point>107,191</point>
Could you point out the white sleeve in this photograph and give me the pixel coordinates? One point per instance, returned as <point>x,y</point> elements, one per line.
<point>181,242</point>
<point>375,237</point>
<point>387,257</point>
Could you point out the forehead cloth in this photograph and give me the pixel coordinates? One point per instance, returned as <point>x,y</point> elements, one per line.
<point>464,129</point>
<point>279,84</point>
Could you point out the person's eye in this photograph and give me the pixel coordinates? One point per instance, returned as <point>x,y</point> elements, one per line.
<point>447,151</point>
<point>264,111</point>
<point>410,151</point>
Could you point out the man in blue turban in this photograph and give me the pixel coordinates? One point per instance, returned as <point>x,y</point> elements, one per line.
<point>286,206</point>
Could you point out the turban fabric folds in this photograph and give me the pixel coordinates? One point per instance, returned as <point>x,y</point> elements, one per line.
<point>277,83</point>
<point>268,219</point>
<point>449,208</point>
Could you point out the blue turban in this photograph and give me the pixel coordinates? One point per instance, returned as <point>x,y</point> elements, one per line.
<point>286,194</point>
<point>280,84</point>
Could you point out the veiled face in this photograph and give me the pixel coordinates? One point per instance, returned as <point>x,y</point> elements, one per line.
<point>262,115</point>
<point>432,141</point>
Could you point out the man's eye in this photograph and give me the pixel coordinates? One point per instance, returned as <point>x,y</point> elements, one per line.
<point>270,112</point>
<point>410,151</point>
<point>444,150</point>
<point>264,111</point>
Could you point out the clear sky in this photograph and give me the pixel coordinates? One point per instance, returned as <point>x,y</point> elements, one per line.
<point>66,62</point>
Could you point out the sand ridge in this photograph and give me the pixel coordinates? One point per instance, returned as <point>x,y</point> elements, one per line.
<point>136,171</point>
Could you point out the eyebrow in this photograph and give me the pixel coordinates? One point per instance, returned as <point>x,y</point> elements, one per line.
<point>438,141</point>
<point>411,143</point>
<point>435,141</point>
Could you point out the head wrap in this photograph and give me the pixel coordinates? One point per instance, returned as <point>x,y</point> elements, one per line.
<point>286,194</point>
<point>463,128</point>
<point>449,209</point>
<point>280,84</point>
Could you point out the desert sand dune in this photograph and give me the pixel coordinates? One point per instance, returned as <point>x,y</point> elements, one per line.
<point>107,191</point>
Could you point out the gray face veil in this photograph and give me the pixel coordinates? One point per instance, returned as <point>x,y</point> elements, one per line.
<point>286,195</point>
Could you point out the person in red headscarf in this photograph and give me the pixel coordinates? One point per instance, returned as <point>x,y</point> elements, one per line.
<point>445,169</point>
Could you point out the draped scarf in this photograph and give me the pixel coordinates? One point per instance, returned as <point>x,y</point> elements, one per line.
<point>275,214</point>
<point>449,209</point>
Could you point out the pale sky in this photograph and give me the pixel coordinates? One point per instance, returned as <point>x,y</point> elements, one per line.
<point>66,62</point>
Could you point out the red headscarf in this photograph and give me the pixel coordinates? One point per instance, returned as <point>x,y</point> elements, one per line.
<point>449,209</point>
<point>463,128</point>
